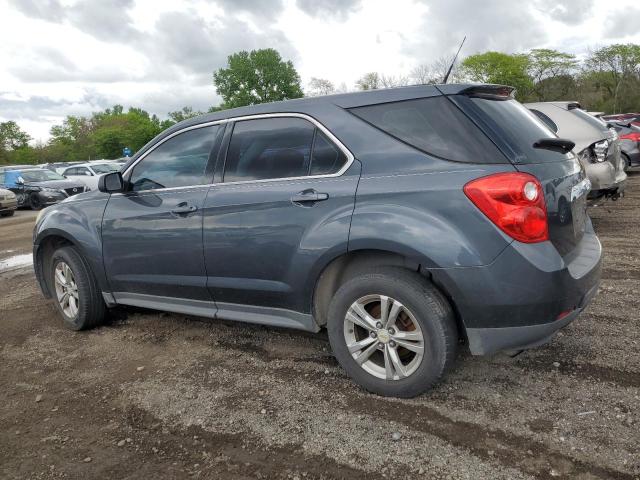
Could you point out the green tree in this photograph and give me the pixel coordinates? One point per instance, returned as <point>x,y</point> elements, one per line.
<point>254,77</point>
<point>14,142</point>
<point>115,129</point>
<point>12,136</point>
<point>184,114</point>
<point>501,68</point>
<point>611,78</point>
<point>550,71</point>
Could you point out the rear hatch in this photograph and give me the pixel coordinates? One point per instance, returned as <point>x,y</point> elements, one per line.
<point>515,130</point>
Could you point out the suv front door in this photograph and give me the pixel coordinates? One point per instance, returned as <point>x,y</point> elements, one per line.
<point>152,233</point>
<point>284,202</point>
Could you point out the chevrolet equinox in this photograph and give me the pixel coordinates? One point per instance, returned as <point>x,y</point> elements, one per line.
<point>406,221</point>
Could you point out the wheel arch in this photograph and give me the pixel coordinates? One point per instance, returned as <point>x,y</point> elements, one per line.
<point>346,266</point>
<point>45,244</point>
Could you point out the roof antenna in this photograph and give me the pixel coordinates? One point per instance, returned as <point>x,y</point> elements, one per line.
<point>446,77</point>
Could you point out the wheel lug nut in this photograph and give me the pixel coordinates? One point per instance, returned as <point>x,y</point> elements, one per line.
<point>373,335</point>
<point>391,331</point>
<point>392,344</point>
<point>378,325</point>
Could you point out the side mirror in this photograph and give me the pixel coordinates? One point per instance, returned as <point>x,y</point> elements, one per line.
<point>111,182</point>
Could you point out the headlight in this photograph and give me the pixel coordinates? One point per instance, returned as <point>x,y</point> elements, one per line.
<point>601,149</point>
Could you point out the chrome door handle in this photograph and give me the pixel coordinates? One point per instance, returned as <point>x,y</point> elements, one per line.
<point>309,196</point>
<point>183,209</point>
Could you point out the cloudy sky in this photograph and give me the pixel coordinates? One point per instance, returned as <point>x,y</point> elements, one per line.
<point>73,57</point>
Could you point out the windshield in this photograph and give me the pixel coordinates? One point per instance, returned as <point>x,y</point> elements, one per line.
<point>105,168</point>
<point>40,175</point>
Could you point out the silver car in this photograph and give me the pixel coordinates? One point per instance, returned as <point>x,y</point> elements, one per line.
<point>597,146</point>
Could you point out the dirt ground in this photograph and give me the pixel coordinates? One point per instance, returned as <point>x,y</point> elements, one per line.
<point>155,395</point>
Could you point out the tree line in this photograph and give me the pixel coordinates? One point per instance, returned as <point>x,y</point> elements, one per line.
<point>607,79</point>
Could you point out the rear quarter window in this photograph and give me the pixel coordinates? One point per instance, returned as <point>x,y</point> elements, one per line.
<point>435,126</point>
<point>514,126</point>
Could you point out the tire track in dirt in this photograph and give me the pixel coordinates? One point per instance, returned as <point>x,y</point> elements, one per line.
<point>509,449</point>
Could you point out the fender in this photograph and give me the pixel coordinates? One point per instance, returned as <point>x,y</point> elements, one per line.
<point>389,216</point>
<point>82,220</point>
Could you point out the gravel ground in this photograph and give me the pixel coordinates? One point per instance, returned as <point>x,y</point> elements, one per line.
<point>154,395</point>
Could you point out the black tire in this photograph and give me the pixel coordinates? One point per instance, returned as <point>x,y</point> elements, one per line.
<point>91,307</point>
<point>8,213</point>
<point>626,162</point>
<point>429,308</point>
<point>34,202</point>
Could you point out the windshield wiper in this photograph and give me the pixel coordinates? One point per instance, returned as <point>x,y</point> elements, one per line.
<point>555,144</point>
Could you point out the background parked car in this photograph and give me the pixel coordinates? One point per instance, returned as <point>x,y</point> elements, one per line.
<point>39,187</point>
<point>633,118</point>
<point>629,142</point>
<point>8,202</point>
<point>88,173</point>
<point>596,145</point>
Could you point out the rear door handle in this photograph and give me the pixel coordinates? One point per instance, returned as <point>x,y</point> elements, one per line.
<point>184,208</point>
<point>308,196</point>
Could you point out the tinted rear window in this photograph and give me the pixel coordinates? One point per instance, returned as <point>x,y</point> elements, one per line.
<point>435,126</point>
<point>514,127</point>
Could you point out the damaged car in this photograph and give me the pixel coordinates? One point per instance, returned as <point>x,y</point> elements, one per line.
<point>597,146</point>
<point>37,188</point>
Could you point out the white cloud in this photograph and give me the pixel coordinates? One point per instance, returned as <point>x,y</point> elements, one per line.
<point>72,57</point>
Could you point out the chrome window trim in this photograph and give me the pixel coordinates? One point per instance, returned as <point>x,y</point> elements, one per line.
<point>316,123</point>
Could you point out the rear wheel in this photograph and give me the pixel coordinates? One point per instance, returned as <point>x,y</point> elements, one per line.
<point>392,331</point>
<point>75,290</point>
<point>34,201</point>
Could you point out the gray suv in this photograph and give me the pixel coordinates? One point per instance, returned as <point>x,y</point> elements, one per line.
<point>405,221</point>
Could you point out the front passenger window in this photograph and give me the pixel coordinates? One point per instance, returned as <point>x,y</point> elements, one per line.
<point>178,162</point>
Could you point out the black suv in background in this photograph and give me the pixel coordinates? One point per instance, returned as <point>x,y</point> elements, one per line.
<point>38,187</point>
<point>404,221</point>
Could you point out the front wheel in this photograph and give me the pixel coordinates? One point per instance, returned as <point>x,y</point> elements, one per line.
<point>75,290</point>
<point>34,202</point>
<point>626,162</point>
<point>392,331</point>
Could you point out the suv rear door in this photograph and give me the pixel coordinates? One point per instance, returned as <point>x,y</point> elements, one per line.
<point>282,199</point>
<point>152,233</point>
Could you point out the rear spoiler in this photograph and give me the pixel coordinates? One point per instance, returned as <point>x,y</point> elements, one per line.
<point>493,92</point>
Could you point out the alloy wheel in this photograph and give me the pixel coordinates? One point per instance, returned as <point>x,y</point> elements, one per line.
<point>383,337</point>
<point>66,290</point>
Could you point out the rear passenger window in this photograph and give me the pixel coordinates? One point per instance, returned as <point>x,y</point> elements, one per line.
<point>269,148</point>
<point>327,158</point>
<point>435,126</point>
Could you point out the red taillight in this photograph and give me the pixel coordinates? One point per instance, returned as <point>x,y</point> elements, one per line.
<point>514,202</point>
<point>634,136</point>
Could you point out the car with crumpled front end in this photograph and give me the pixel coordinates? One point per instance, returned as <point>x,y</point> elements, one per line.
<point>37,188</point>
<point>597,146</point>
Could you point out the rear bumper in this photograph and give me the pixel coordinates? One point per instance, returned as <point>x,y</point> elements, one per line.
<point>484,341</point>
<point>8,205</point>
<point>523,297</point>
